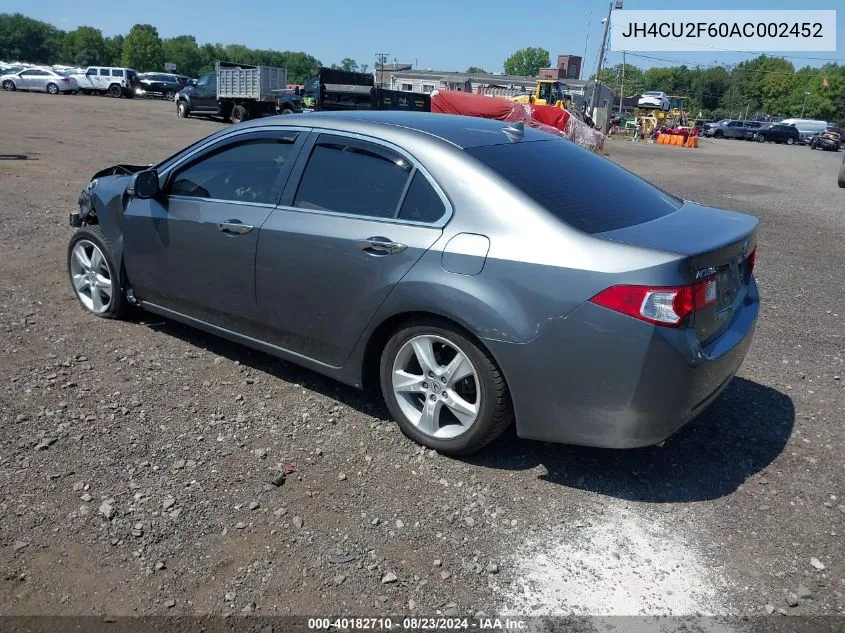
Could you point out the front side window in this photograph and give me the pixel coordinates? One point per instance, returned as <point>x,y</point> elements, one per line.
<point>104,72</point>
<point>91,71</point>
<point>355,177</point>
<point>245,172</point>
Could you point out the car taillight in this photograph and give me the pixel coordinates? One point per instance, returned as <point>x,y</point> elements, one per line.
<point>752,257</point>
<point>667,306</point>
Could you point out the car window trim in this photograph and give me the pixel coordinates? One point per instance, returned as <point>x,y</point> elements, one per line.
<point>232,140</point>
<point>298,170</point>
<point>210,143</point>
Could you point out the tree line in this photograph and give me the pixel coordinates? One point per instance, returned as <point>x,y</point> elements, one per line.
<point>761,86</point>
<point>28,40</point>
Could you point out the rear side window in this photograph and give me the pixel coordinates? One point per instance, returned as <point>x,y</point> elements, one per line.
<point>245,172</point>
<point>350,176</point>
<point>584,190</point>
<point>117,72</point>
<point>421,203</point>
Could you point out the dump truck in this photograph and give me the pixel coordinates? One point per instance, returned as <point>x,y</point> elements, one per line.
<point>333,90</point>
<point>237,92</point>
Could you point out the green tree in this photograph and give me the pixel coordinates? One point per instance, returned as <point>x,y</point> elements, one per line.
<point>476,70</point>
<point>25,39</point>
<point>183,51</point>
<point>630,83</point>
<point>142,49</point>
<point>113,50</point>
<point>84,47</point>
<point>348,64</point>
<point>527,62</point>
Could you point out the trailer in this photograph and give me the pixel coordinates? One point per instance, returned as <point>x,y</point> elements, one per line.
<point>237,92</point>
<point>333,90</point>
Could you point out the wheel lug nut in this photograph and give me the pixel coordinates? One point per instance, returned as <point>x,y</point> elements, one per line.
<point>443,379</point>
<point>431,374</point>
<point>433,397</point>
<point>425,385</point>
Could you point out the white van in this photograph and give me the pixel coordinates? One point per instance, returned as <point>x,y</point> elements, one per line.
<point>807,127</point>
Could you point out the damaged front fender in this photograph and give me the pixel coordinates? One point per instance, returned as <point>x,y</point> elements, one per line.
<point>120,170</point>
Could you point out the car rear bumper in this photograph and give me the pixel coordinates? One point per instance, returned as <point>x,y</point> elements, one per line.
<point>599,378</point>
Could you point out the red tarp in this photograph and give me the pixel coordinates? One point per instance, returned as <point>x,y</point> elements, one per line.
<point>547,118</point>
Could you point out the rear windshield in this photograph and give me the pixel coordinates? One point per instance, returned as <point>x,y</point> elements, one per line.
<point>588,192</point>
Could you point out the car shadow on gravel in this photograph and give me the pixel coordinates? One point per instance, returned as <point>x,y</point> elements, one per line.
<point>362,401</point>
<point>740,434</point>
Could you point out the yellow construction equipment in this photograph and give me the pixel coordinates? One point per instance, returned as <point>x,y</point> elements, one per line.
<point>675,117</point>
<point>547,92</point>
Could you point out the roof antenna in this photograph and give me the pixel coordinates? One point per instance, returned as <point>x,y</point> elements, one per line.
<point>514,131</point>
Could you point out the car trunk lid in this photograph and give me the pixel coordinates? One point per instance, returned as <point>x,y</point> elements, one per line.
<point>719,245</point>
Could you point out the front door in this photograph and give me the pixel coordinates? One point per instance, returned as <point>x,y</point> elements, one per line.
<point>192,250</point>
<point>205,96</point>
<point>349,228</point>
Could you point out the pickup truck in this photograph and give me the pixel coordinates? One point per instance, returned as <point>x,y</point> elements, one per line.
<point>237,92</point>
<point>115,82</point>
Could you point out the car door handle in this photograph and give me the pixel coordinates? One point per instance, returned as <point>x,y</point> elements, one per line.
<point>381,246</point>
<point>235,227</point>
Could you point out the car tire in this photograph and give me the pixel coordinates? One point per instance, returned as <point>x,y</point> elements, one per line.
<point>182,110</point>
<point>91,242</point>
<point>761,138</point>
<point>480,395</point>
<point>790,141</point>
<point>718,134</point>
<point>9,85</point>
<point>239,114</point>
<point>52,88</point>
<point>287,111</point>
<point>115,91</point>
<point>169,95</point>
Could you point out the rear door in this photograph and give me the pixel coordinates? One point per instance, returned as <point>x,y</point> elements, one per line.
<point>192,250</point>
<point>356,215</point>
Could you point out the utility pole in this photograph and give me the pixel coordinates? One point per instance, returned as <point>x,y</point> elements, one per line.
<point>804,105</point>
<point>622,84</point>
<point>594,98</point>
<point>381,57</point>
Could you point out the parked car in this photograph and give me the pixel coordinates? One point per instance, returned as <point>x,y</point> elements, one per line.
<point>778,133</point>
<point>657,100</point>
<point>807,128</point>
<point>751,128</point>
<point>726,128</point>
<point>115,82</point>
<point>159,85</point>
<point>441,258</point>
<point>829,139</point>
<point>39,80</point>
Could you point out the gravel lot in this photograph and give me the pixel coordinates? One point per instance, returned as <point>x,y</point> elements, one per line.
<point>136,457</point>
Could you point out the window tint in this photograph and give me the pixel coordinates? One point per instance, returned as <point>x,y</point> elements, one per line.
<point>117,72</point>
<point>597,195</point>
<point>244,172</point>
<point>421,203</point>
<point>104,72</point>
<point>352,177</point>
<point>91,71</point>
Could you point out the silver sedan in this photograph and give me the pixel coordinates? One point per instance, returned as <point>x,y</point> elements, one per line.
<point>39,80</point>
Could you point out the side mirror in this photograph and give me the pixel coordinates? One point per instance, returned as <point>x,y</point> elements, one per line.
<point>145,184</point>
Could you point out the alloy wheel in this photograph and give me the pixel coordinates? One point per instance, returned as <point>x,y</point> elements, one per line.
<point>436,386</point>
<point>92,278</point>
